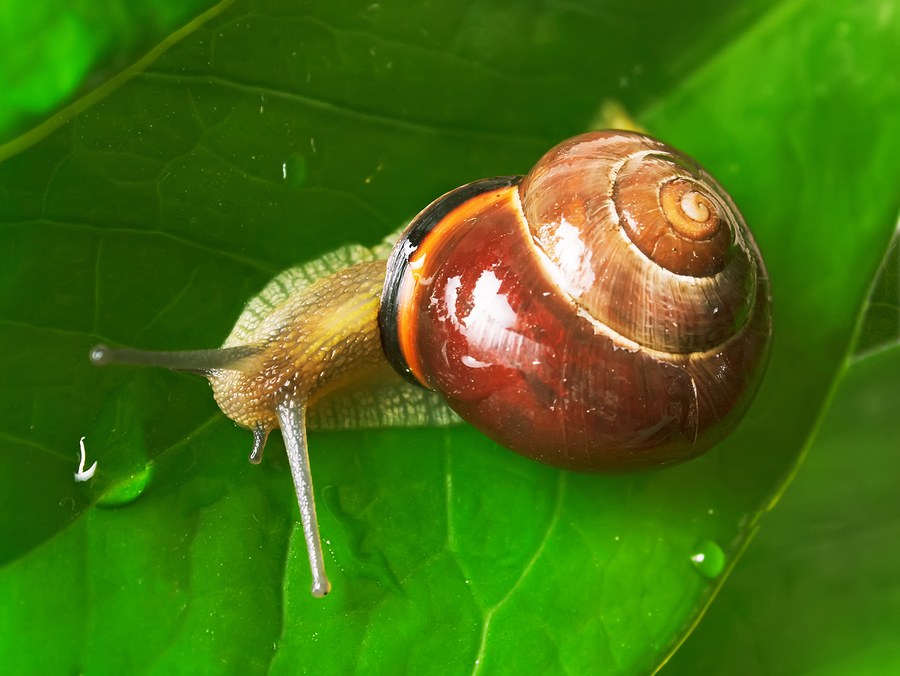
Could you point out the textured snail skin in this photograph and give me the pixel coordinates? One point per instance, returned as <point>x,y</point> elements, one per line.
<point>568,318</point>
<point>316,341</point>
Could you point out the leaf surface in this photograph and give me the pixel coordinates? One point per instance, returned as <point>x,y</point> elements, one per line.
<point>817,590</point>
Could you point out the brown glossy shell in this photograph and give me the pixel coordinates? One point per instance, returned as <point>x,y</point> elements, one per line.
<point>610,311</point>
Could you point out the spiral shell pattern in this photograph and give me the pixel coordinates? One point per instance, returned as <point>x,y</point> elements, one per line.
<point>616,214</point>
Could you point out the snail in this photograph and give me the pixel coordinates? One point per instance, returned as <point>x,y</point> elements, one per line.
<point>609,311</point>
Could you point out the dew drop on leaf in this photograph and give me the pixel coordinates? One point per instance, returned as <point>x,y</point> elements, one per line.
<point>294,170</point>
<point>708,558</point>
<point>117,441</point>
<point>127,488</point>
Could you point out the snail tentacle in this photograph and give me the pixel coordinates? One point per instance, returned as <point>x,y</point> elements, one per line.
<point>202,362</point>
<point>260,434</point>
<point>292,418</point>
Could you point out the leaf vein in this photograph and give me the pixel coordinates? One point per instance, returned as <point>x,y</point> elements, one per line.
<point>74,225</point>
<point>560,492</point>
<point>349,112</point>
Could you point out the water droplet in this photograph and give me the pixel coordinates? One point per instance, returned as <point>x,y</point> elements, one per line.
<point>294,170</point>
<point>126,489</point>
<point>708,558</point>
<point>117,442</point>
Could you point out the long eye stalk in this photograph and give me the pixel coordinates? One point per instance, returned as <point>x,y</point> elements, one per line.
<point>195,361</point>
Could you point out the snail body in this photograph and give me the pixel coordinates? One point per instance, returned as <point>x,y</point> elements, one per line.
<point>609,311</point>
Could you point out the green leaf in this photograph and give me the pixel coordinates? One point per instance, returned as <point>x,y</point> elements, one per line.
<point>880,328</point>
<point>817,590</point>
<point>264,135</point>
<point>51,50</point>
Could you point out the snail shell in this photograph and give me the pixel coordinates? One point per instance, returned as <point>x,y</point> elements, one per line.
<point>609,311</point>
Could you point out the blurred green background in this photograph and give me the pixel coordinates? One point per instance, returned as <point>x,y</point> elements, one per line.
<point>160,161</point>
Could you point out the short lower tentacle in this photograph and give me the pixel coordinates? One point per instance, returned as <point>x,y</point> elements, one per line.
<point>260,434</point>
